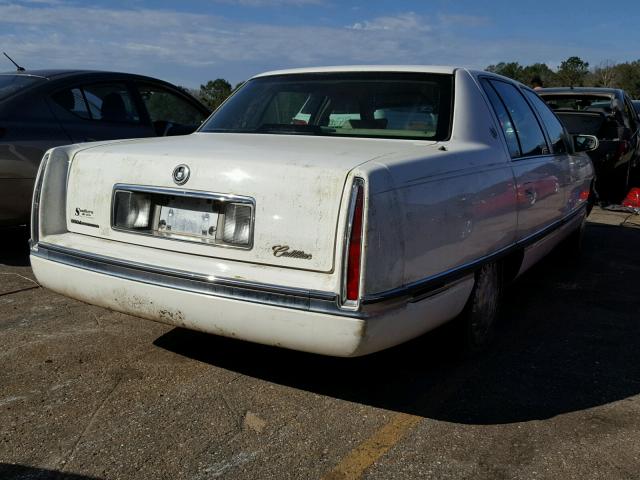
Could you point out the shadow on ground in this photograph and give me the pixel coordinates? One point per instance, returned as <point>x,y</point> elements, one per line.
<point>569,340</point>
<point>14,246</point>
<point>21,472</point>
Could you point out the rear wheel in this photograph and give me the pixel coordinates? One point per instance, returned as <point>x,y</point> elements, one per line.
<point>476,324</point>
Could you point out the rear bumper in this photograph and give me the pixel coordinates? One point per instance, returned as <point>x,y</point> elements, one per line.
<point>299,320</point>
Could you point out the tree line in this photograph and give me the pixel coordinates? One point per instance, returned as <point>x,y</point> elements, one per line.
<point>575,72</point>
<point>214,92</point>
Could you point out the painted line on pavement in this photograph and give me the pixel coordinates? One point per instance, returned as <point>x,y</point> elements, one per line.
<point>358,460</point>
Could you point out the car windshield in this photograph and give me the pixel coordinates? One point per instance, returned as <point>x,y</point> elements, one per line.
<point>387,105</point>
<point>10,84</point>
<point>579,102</point>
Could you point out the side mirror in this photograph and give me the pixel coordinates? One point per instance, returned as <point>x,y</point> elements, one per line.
<point>585,143</point>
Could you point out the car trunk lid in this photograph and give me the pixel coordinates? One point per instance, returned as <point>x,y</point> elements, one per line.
<point>295,182</point>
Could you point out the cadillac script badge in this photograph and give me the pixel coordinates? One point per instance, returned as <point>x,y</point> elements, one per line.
<point>285,251</point>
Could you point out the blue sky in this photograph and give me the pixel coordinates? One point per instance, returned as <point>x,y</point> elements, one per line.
<point>189,42</point>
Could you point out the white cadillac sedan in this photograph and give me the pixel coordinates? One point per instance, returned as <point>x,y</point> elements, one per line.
<point>399,199</point>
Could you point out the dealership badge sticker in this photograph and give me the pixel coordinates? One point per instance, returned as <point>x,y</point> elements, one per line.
<point>83,213</point>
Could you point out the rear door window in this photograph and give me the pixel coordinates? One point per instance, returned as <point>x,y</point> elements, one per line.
<point>111,103</point>
<point>555,130</point>
<point>73,101</point>
<point>528,130</point>
<point>504,119</point>
<point>104,102</point>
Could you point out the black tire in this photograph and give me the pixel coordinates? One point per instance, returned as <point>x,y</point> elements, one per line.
<point>476,324</point>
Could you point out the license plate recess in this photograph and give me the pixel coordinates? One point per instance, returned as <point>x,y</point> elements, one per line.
<point>187,218</point>
<point>187,215</point>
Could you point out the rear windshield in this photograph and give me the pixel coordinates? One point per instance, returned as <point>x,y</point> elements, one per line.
<point>387,105</point>
<point>587,103</point>
<point>10,84</point>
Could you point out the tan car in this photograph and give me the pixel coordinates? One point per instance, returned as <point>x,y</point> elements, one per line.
<point>41,109</point>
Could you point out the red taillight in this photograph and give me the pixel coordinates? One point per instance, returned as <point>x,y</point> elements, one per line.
<point>584,195</point>
<point>355,247</point>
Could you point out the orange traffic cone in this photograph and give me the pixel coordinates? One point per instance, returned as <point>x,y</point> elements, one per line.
<point>633,198</point>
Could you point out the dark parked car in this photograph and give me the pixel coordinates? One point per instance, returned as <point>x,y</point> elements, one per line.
<point>41,109</point>
<point>608,114</point>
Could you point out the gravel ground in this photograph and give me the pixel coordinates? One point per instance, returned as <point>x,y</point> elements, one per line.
<point>86,393</point>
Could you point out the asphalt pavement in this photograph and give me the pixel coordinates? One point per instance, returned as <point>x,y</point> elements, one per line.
<point>87,393</point>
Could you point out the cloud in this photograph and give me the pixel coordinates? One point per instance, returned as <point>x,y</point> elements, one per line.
<point>90,37</point>
<point>189,49</point>
<point>402,23</point>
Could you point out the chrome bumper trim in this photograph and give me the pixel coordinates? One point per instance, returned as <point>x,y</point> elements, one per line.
<point>274,295</point>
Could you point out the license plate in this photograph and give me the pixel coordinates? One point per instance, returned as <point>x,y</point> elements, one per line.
<point>191,223</point>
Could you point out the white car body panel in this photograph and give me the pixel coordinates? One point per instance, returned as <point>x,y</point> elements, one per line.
<point>433,212</point>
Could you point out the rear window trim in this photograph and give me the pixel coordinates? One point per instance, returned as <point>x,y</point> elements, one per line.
<point>373,75</point>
